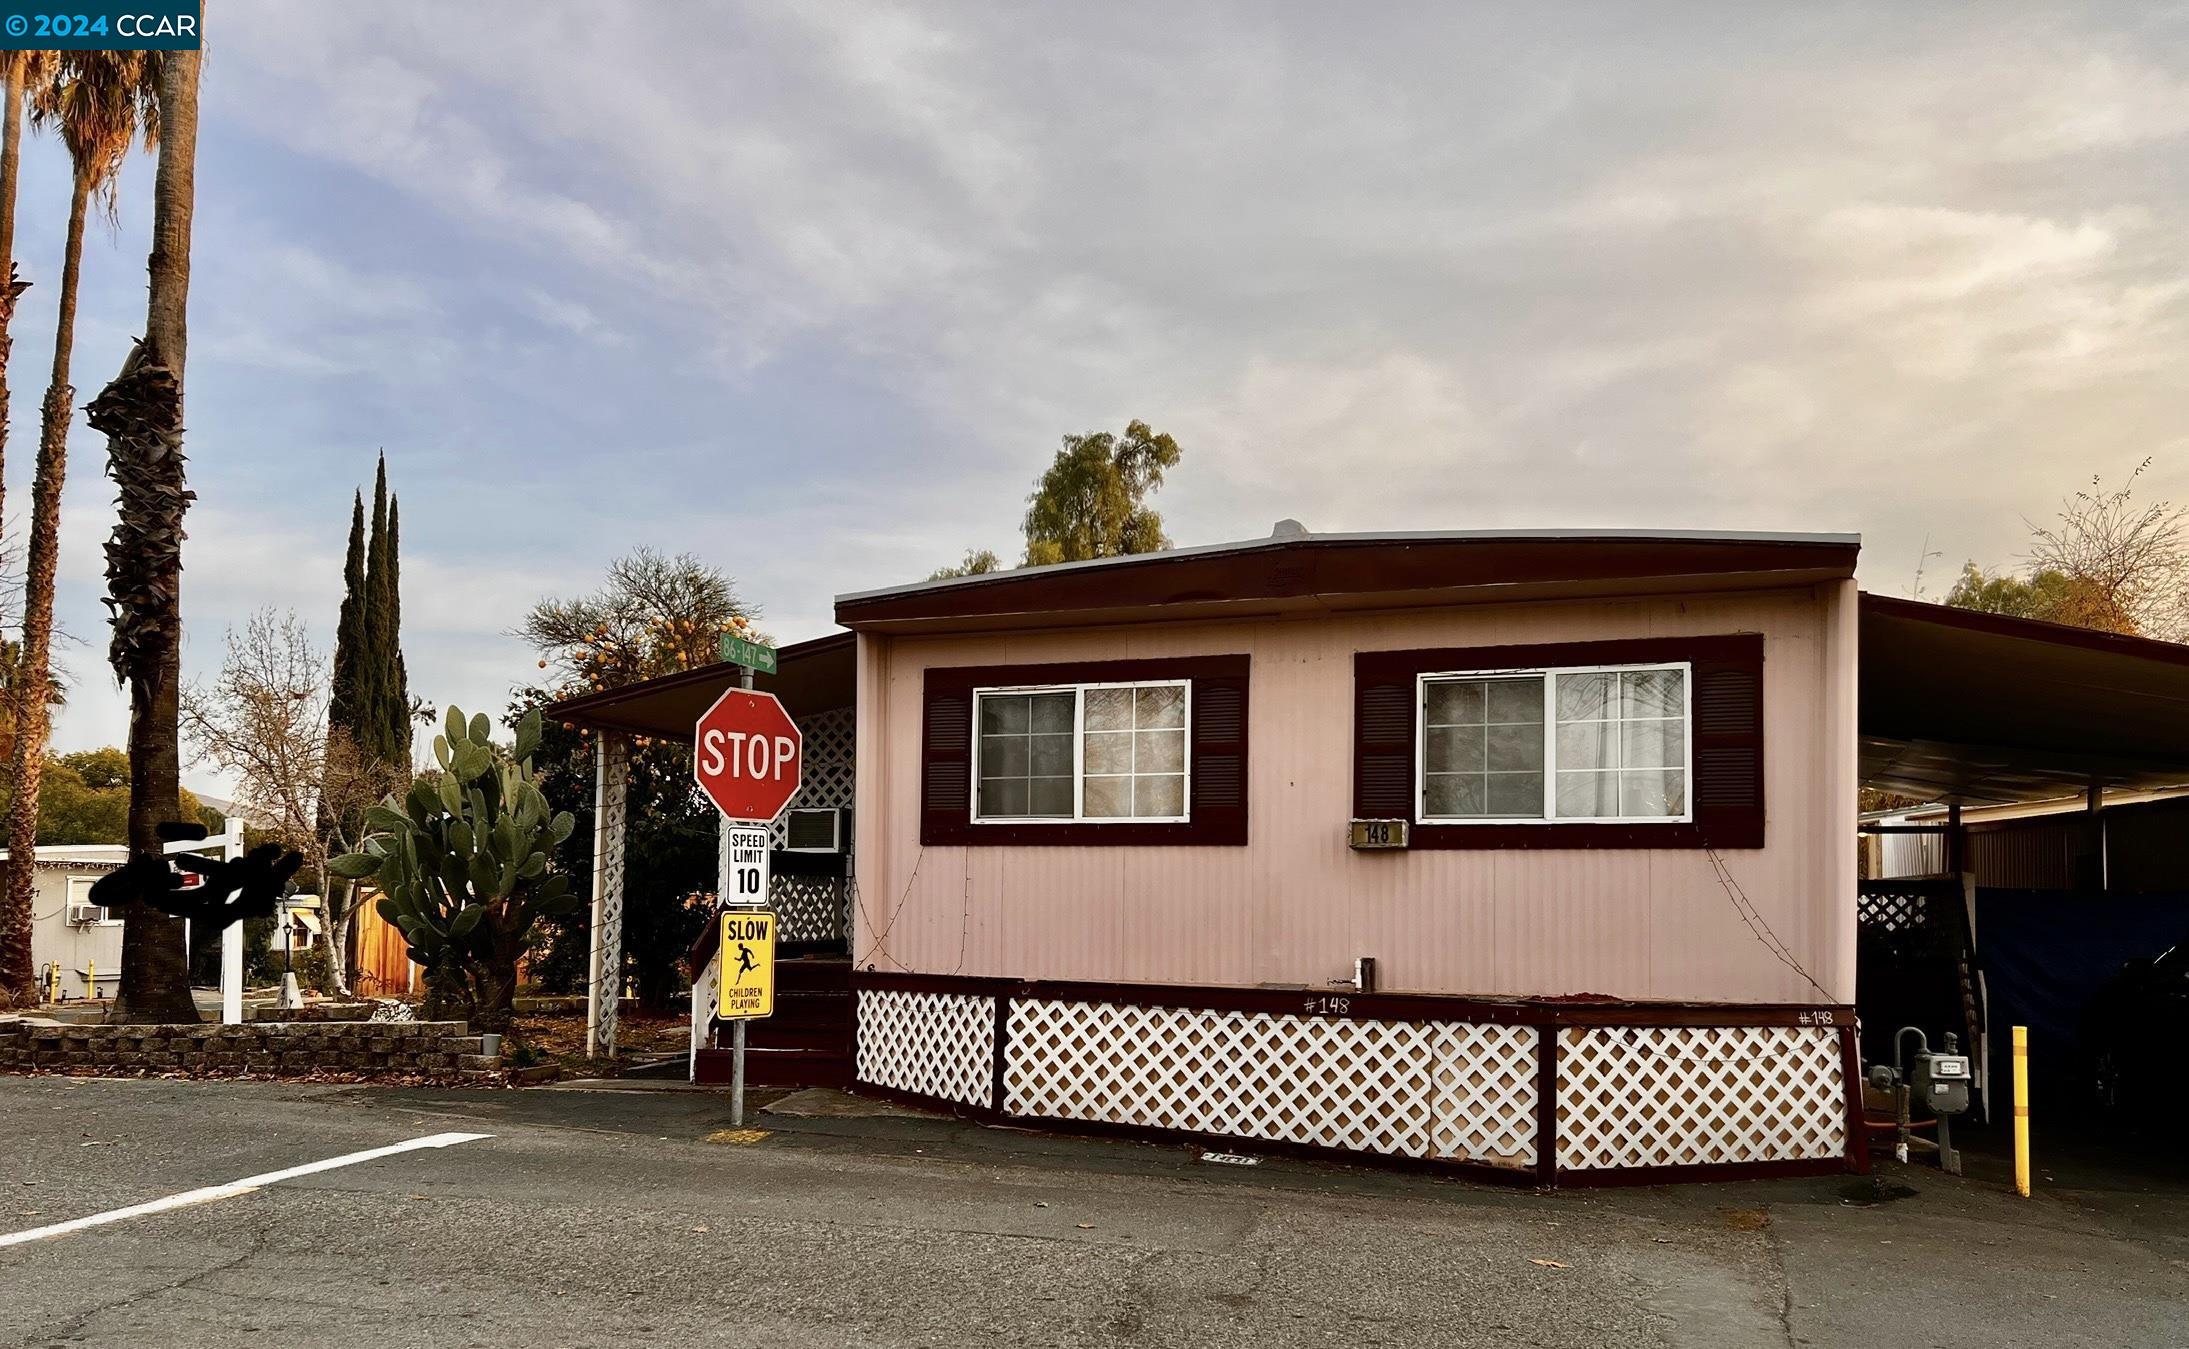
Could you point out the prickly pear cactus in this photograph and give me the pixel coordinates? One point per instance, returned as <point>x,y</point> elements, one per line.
<point>461,862</point>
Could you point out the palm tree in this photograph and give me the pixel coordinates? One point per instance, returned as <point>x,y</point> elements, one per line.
<point>23,70</point>
<point>141,416</point>
<point>99,102</point>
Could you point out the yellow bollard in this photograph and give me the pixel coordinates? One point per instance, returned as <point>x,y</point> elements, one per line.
<point>2021,1111</point>
<point>91,978</point>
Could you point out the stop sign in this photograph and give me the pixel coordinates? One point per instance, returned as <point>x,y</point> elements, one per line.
<point>746,754</point>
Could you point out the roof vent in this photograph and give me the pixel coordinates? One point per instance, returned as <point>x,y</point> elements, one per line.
<point>1288,529</point>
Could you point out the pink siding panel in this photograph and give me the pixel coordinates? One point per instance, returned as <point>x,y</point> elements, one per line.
<point>1295,906</point>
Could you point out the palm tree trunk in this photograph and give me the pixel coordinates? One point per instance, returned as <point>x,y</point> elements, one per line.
<point>141,412</point>
<point>27,762</point>
<point>11,155</point>
<point>18,977</point>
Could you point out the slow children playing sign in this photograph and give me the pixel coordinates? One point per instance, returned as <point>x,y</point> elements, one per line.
<point>748,964</point>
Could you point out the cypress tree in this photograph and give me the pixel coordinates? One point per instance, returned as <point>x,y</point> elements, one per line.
<point>374,665</point>
<point>349,637</point>
<point>395,687</point>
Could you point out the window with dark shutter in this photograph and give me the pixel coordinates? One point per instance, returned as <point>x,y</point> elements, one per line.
<point>1219,813</point>
<point>1383,738</point>
<point>946,762</point>
<point>966,798</point>
<point>1728,728</point>
<point>1717,802</point>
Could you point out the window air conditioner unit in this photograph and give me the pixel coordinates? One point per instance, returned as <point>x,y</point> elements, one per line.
<point>816,830</point>
<point>83,915</point>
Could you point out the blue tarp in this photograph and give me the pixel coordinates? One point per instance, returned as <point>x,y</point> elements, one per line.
<point>2046,952</point>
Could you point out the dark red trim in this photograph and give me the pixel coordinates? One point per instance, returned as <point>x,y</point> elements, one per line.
<point>1001,1040</point>
<point>1596,1178</point>
<point>1142,1133</point>
<point>1536,655</point>
<point>1850,1071</point>
<point>1547,1050</point>
<point>1086,671</point>
<point>1367,1006</point>
<point>909,982</point>
<point>946,771</point>
<point>1275,574</point>
<point>1385,769</point>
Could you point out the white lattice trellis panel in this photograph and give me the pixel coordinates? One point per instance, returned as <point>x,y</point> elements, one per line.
<point>1484,1107</point>
<point>809,908</point>
<point>1696,1096</point>
<point>706,1001</point>
<point>1363,1085</point>
<point>931,1044</point>
<point>825,776</point>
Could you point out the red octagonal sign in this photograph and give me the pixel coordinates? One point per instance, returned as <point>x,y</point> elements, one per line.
<point>747,755</point>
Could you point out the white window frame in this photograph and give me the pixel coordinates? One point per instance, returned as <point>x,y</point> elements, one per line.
<point>1548,674</point>
<point>1079,694</point>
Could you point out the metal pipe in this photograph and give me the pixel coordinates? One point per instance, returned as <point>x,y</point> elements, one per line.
<point>2021,1111</point>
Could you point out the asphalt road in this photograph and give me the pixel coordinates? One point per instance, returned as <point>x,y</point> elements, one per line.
<point>592,1218</point>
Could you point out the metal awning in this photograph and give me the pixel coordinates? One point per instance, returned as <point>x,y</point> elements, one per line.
<point>1957,705</point>
<point>812,676</point>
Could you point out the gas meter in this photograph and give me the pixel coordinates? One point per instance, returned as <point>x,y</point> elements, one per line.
<point>1941,1081</point>
<point>1938,1082</point>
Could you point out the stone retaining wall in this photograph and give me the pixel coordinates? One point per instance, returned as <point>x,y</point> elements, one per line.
<point>314,1011</point>
<point>287,1048</point>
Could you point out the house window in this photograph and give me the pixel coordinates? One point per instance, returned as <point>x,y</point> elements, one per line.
<point>1604,744</point>
<point>1082,752</point>
<point>81,909</point>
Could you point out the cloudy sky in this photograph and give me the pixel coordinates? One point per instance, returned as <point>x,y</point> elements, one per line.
<point>811,291</point>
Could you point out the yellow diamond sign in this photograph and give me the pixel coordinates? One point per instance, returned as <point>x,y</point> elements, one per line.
<point>748,964</point>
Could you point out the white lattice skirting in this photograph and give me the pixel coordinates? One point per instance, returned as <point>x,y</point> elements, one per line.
<point>1695,1096</point>
<point>1407,1089</point>
<point>930,1044</point>
<point>1436,1090</point>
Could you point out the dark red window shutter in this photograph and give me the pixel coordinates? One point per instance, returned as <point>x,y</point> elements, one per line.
<point>1383,739</point>
<point>1727,709</point>
<point>1219,807</point>
<point>946,760</point>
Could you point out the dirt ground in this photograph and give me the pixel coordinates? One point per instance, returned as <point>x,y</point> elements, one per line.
<point>561,1037</point>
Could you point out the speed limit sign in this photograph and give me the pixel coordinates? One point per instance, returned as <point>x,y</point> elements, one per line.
<point>747,877</point>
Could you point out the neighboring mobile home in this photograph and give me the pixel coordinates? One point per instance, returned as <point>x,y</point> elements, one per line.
<point>69,934</point>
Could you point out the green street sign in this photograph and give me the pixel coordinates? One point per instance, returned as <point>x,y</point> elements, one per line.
<point>737,651</point>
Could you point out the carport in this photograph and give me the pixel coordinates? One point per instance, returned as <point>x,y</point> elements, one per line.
<point>1965,709</point>
<point>808,1041</point>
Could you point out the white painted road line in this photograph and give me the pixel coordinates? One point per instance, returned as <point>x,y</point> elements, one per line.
<point>211,1193</point>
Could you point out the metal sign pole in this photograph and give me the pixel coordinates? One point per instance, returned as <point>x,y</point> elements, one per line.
<point>737,1028</point>
<point>748,758</point>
